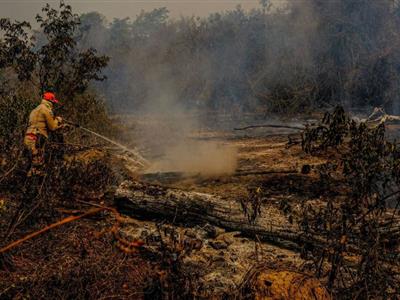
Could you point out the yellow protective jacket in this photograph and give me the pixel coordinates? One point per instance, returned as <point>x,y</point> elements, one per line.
<point>41,120</point>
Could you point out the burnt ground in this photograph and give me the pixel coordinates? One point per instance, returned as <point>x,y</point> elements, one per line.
<point>83,260</point>
<point>265,162</point>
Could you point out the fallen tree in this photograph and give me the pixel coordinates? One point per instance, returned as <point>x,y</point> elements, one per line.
<point>270,126</point>
<point>155,202</point>
<point>146,201</point>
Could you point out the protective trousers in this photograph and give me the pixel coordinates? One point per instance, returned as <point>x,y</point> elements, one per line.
<point>35,144</point>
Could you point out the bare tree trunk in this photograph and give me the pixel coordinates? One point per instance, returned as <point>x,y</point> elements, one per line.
<point>155,202</point>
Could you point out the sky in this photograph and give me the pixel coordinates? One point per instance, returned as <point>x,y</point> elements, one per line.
<point>27,9</point>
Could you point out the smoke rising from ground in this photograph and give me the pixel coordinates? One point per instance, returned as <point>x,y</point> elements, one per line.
<point>168,129</point>
<point>198,157</point>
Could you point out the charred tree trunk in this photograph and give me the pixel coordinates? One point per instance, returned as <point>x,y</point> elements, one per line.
<point>155,202</point>
<point>189,208</point>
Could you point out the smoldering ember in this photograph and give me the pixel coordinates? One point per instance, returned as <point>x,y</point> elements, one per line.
<point>200,149</point>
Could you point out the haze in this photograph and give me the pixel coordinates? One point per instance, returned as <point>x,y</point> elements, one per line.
<point>27,9</point>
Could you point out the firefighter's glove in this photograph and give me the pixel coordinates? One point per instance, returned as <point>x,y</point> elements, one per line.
<point>59,120</point>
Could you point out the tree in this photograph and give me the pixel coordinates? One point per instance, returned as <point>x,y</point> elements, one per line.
<point>266,5</point>
<point>60,65</point>
<point>56,63</point>
<point>16,48</point>
<point>94,31</point>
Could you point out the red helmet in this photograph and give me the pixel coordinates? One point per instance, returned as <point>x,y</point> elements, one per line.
<point>48,96</point>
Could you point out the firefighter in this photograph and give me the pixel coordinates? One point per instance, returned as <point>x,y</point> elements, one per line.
<point>41,122</point>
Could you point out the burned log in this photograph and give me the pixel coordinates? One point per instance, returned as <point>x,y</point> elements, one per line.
<point>155,202</point>
<point>270,126</point>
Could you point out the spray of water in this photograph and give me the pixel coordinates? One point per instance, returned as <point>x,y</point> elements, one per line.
<point>140,159</point>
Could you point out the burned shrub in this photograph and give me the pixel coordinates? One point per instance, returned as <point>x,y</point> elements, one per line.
<point>251,206</point>
<point>84,174</point>
<point>89,110</point>
<point>359,226</point>
<point>15,110</point>
<point>72,262</point>
<point>13,119</point>
<point>331,132</point>
<point>174,280</point>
